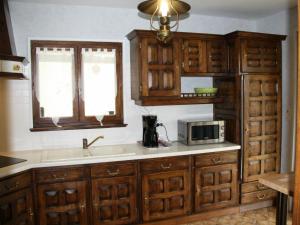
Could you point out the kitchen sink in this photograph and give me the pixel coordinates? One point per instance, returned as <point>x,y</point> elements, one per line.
<point>79,154</point>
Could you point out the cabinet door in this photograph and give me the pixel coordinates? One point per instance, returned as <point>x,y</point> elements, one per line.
<point>216,187</point>
<point>17,208</point>
<point>261,56</point>
<point>160,68</point>
<point>114,200</point>
<point>165,195</point>
<point>217,53</point>
<point>63,203</point>
<point>262,126</point>
<point>194,57</point>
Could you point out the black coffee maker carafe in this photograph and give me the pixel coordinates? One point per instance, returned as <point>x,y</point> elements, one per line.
<point>150,136</point>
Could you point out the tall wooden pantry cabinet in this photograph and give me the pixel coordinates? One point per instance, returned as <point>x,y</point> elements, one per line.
<point>252,108</point>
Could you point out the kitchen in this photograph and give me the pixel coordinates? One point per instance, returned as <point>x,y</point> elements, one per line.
<point>34,20</point>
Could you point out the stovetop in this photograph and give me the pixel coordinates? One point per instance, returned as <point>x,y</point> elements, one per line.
<point>8,161</point>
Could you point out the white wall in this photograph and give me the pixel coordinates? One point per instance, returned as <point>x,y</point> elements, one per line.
<point>42,21</point>
<point>285,22</point>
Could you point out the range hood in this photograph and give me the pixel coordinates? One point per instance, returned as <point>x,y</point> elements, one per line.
<point>11,65</point>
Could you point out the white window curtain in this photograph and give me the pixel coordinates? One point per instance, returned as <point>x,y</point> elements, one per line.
<point>99,81</point>
<point>55,67</point>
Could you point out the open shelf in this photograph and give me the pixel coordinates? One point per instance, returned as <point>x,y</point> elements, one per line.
<point>13,76</point>
<point>179,101</point>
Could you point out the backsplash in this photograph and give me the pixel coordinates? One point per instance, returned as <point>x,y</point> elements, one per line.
<point>90,23</point>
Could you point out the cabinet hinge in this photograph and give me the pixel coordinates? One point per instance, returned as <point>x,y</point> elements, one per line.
<point>141,88</point>
<point>183,47</point>
<point>140,45</point>
<point>182,64</point>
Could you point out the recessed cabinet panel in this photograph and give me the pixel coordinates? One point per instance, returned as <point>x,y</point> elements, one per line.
<point>17,208</point>
<point>217,54</point>
<point>216,187</point>
<point>165,195</point>
<point>114,200</point>
<point>194,58</point>
<point>262,124</point>
<point>260,56</point>
<point>63,203</point>
<point>160,72</point>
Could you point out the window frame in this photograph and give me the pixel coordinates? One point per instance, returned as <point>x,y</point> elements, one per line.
<point>79,120</point>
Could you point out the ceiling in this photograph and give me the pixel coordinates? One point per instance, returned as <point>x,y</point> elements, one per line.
<point>248,9</point>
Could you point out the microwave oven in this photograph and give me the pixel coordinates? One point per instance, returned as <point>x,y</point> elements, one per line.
<point>195,131</point>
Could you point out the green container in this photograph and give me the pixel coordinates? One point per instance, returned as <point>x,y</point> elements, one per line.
<point>206,90</point>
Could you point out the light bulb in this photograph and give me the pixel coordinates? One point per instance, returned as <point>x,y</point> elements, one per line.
<point>164,8</point>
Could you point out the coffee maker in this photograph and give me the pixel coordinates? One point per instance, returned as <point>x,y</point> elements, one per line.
<point>150,136</point>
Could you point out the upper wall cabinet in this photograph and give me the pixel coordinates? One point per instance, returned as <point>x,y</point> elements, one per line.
<point>156,68</point>
<point>261,56</point>
<point>259,53</point>
<point>159,68</point>
<point>204,57</point>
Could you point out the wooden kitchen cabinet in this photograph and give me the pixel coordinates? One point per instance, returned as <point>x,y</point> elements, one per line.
<point>260,56</point>
<point>62,203</point>
<point>217,56</point>
<point>165,189</point>
<point>262,126</point>
<point>62,195</point>
<point>216,181</point>
<point>16,200</point>
<point>114,194</point>
<point>194,57</point>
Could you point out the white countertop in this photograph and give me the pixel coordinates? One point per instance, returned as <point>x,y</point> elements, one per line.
<point>112,153</point>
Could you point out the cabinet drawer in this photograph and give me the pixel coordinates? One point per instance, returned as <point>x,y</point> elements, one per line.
<point>258,196</point>
<point>252,186</point>
<point>113,170</point>
<point>15,183</point>
<point>212,159</point>
<point>165,164</point>
<point>60,174</point>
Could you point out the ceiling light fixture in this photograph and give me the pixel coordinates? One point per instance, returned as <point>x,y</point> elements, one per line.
<point>164,10</point>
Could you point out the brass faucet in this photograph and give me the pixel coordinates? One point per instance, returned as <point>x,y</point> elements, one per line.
<point>85,144</point>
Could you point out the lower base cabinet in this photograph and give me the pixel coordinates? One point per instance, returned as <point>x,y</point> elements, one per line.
<point>216,187</point>
<point>17,208</point>
<point>63,203</point>
<point>114,200</point>
<point>123,193</point>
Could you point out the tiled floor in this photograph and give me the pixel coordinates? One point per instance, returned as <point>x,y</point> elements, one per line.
<point>258,217</point>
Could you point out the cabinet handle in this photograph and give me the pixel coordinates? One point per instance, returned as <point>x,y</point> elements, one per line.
<point>59,177</point>
<point>260,186</point>
<point>261,196</point>
<point>115,173</point>
<point>216,160</point>
<point>198,189</point>
<point>146,199</point>
<point>30,212</point>
<point>82,206</point>
<point>12,187</point>
<point>96,204</point>
<point>166,167</point>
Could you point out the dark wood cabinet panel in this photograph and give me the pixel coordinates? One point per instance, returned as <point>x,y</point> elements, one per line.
<point>261,56</point>
<point>62,203</point>
<point>216,187</point>
<point>159,68</point>
<point>194,57</point>
<point>217,56</point>
<point>15,183</point>
<point>164,164</point>
<point>262,126</point>
<point>165,195</point>
<point>107,170</point>
<point>58,174</point>
<point>213,159</point>
<point>114,200</point>
<point>17,208</point>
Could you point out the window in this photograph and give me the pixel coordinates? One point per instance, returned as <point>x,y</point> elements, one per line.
<point>76,85</point>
